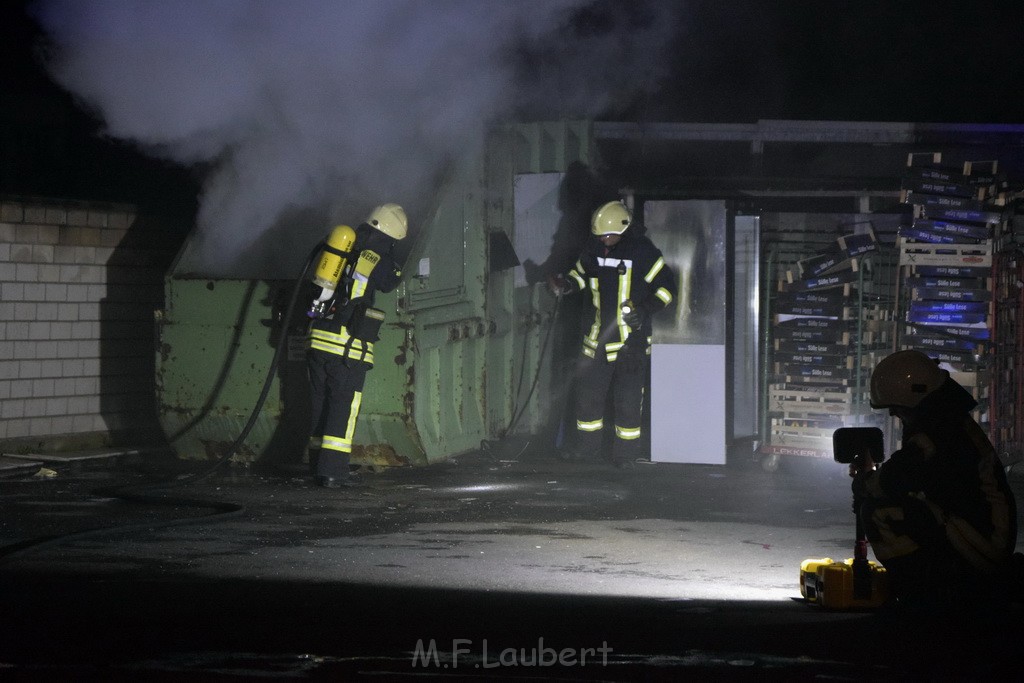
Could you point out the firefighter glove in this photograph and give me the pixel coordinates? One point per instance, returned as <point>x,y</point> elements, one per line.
<point>635,317</point>
<point>559,286</point>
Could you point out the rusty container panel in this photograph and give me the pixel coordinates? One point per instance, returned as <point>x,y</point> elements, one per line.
<point>214,348</point>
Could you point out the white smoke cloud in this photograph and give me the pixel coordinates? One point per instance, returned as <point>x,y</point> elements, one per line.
<point>335,105</point>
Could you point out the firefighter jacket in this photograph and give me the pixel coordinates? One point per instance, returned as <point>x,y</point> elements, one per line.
<point>631,270</point>
<point>350,327</point>
<point>948,462</point>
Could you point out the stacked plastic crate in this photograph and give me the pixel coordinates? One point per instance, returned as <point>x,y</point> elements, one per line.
<point>946,267</point>
<point>827,329</point>
<point>1007,419</point>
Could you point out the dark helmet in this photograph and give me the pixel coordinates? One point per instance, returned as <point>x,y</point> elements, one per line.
<point>904,379</point>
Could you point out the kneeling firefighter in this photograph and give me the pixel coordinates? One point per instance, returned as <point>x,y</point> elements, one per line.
<point>354,265</point>
<point>939,514</point>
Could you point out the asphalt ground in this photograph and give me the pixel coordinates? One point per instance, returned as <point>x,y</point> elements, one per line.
<point>504,564</point>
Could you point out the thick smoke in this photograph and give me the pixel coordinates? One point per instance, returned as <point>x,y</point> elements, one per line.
<point>333,106</point>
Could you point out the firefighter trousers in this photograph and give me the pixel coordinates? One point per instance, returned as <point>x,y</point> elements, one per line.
<point>909,539</point>
<point>336,390</point>
<point>625,379</point>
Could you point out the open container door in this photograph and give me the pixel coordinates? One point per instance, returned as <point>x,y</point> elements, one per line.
<point>688,371</point>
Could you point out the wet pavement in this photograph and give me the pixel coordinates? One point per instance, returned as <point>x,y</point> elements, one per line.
<point>503,564</point>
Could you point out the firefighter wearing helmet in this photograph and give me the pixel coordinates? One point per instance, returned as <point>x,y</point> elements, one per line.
<point>939,513</point>
<point>354,266</point>
<point>628,282</point>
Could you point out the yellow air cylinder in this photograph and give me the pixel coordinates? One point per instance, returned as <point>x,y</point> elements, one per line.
<point>334,257</point>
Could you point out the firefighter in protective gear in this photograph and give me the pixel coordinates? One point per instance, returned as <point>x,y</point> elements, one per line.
<point>939,514</point>
<point>341,342</point>
<point>628,282</point>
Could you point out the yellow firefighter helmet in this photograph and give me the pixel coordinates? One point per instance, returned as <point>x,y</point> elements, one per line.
<point>610,219</point>
<point>389,219</point>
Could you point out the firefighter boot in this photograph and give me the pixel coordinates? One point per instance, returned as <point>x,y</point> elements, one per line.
<point>332,469</point>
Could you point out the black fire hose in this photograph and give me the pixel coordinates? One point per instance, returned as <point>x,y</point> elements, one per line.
<point>521,406</point>
<point>136,493</point>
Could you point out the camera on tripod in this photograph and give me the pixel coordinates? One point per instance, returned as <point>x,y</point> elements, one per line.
<point>857,583</point>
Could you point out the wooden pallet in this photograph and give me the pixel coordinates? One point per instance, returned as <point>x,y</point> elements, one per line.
<point>818,443</point>
<point>808,402</point>
<point>922,254</point>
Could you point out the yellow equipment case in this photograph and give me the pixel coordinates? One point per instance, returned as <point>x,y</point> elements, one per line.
<point>834,585</point>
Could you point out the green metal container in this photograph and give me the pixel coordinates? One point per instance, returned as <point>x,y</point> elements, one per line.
<point>459,338</point>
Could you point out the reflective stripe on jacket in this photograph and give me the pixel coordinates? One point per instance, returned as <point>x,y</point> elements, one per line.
<point>631,270</point>
<point>342,344</point>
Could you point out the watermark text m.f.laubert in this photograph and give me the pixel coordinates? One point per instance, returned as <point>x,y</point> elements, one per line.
<point>466,653</point>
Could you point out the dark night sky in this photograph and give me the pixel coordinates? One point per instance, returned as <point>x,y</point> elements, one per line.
<point>736,62</point>
<point>51,147</point>
<point>863,60</point>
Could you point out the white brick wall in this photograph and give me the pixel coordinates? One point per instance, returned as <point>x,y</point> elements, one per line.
<point>70,324</point>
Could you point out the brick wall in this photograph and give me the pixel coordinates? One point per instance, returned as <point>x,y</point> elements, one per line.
<point>78,286</point>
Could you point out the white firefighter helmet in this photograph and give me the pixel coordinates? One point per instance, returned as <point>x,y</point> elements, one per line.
<point>904,379</point>
<point>389,219</point>
<point>610,219</point>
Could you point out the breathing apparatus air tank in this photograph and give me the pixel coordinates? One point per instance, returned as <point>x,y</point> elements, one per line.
<point>333,260</point>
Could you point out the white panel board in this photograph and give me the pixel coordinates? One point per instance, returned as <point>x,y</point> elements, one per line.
<point>688,403</point>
